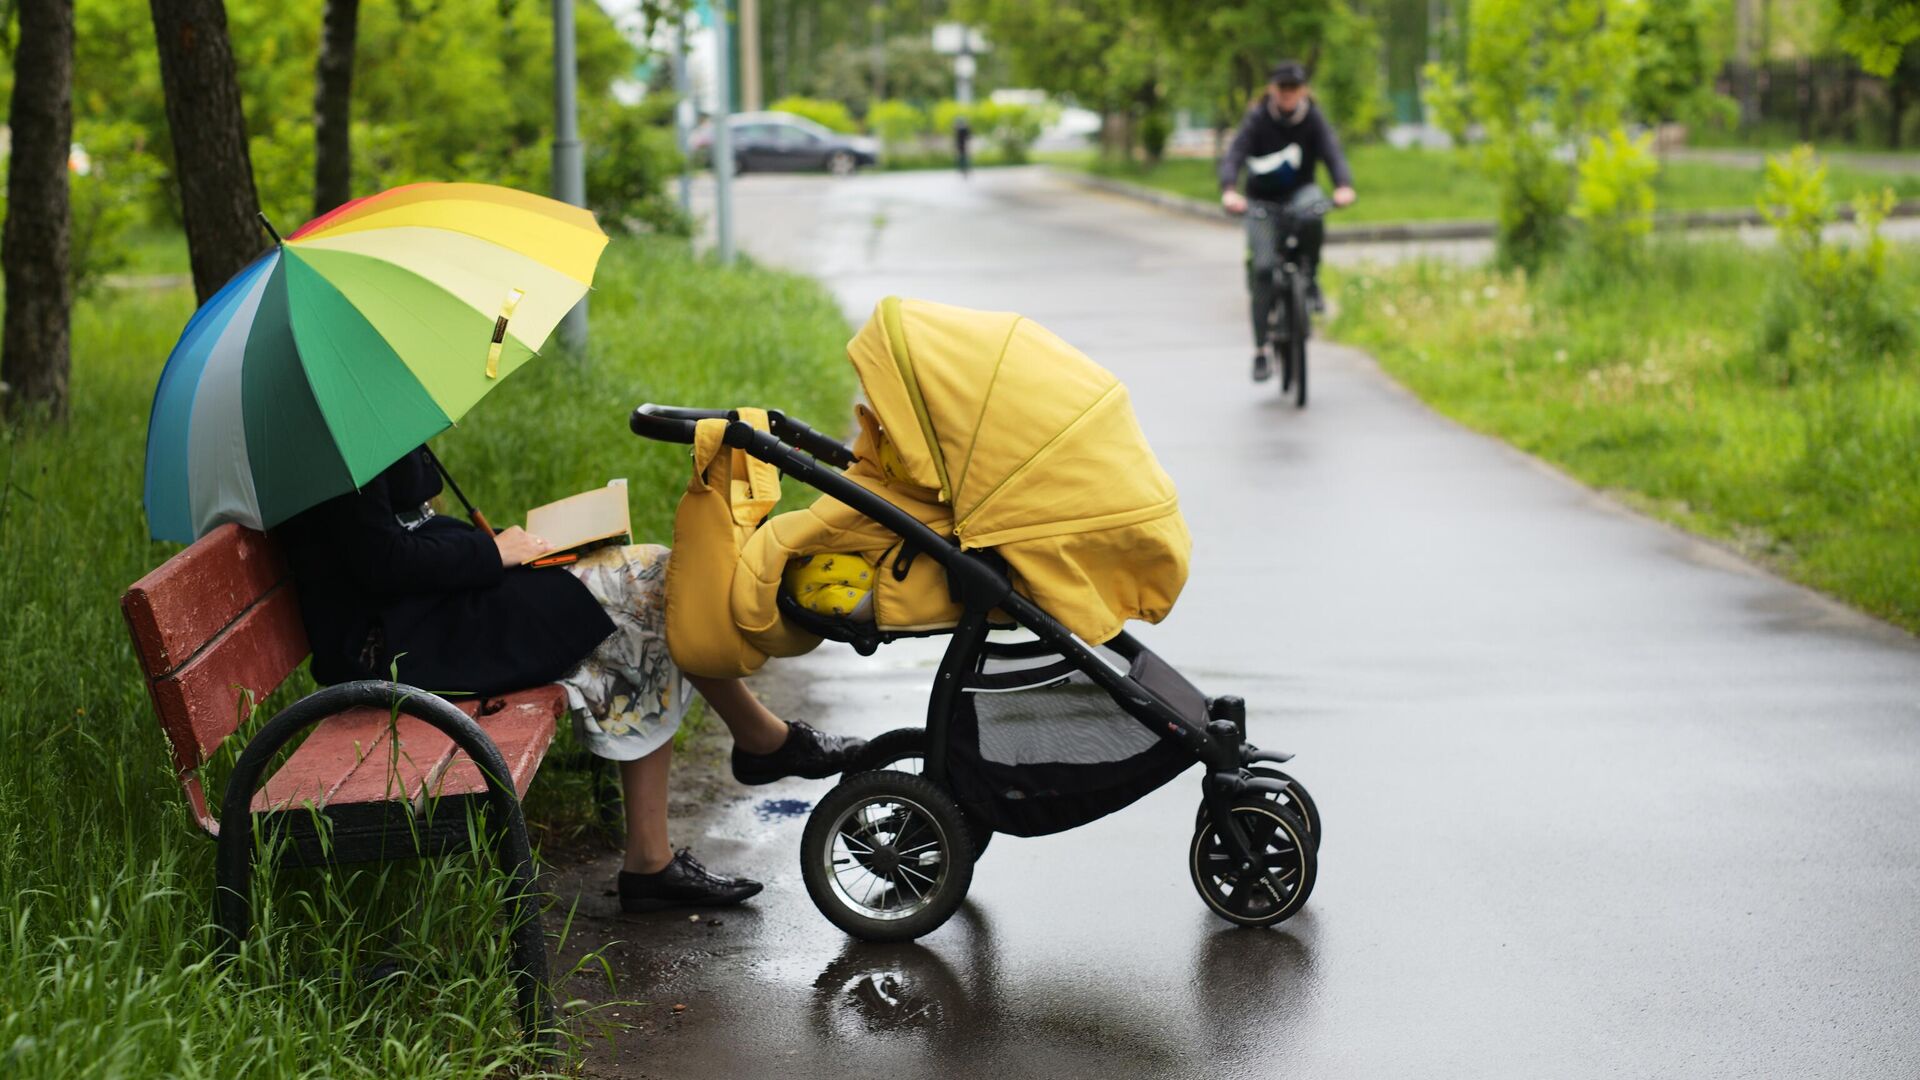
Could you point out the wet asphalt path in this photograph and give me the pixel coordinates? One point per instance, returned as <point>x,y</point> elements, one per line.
<point>1600,799</point>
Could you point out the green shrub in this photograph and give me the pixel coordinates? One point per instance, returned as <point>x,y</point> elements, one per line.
<point>1012,127</point>
<point>108,201</point>
<point>832,115</point>
<point>631,161</point>
<point>946,112</point>
<point>899,124</point>
<point>1833,306</point>
<point>1447,101</point>
<point>1613,197</point>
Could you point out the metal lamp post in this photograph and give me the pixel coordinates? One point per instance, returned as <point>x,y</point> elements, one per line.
<point>569,169</point>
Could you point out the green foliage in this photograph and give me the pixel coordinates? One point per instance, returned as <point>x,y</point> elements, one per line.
<point>832,115</point>
<point>1350,82</point>
<point>103,961</point>
<point>946,113</point>
<point>1877,31</point>
<point>1613,198</point>
<point>899,124</point>
<point>447,90</point>
<point>1652,385</point>
<point>1543,74</point>
<point>1673,64</point>
<point>109,201</point>
<point>1835,308</point>
<point>631,160</point>
<point>1447,101</point>
<point>1011,127</point>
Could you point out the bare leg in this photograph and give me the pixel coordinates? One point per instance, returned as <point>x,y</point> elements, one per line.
<point>755,729</point>
<point>644,782</point>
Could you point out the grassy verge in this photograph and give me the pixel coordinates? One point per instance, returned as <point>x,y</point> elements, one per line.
<point>102,952</point>
<point>1441,185</point>
<point>1652,384</point>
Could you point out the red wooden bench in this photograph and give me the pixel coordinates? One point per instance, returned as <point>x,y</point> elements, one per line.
<point>387,772</point>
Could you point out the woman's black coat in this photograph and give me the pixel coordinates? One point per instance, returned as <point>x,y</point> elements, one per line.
<point>433,600</point>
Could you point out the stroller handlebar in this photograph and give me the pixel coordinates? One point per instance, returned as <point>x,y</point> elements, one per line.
<point>672,423</point>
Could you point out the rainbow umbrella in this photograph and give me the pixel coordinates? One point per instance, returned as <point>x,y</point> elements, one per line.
<point>368,331</point>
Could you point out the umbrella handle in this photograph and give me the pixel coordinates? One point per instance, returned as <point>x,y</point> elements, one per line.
<point>480,521</point>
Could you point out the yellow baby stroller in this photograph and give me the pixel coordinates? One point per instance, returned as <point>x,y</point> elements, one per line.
<point>999,481</point>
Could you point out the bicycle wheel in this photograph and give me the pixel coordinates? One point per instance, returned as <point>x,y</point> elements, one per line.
<point>1297,314</point>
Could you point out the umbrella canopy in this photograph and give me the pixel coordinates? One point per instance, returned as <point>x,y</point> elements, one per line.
<point>1038,451</point>
<point>366,332</point>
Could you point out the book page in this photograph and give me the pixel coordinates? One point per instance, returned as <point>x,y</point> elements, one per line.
<point>583,518</point>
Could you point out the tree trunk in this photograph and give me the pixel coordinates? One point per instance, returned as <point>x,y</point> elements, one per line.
<point>34,349</point>
<point>333,107</point>
<point>210,162</point>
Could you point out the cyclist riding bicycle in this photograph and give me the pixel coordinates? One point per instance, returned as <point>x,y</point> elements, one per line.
<point>1283,139</point>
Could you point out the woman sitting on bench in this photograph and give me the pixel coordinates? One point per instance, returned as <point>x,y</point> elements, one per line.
<point>389,589</point>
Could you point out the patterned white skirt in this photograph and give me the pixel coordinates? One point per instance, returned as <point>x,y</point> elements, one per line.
<point>628,697</point>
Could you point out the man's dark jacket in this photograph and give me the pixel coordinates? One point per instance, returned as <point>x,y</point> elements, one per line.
<point>435,597</point>
<point>1262,146</point>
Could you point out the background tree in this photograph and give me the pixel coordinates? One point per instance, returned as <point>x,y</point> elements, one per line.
<point>34,349</point>
<point>218,202</point>
<point>1109,55</point>
<point>333,106</point>
<point>1877,31</point>
<point>1544,77</point>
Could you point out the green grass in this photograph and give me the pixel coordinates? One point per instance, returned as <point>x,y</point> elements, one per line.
<point>102,948</point>
<point>1440,185</point>
<point>1652,384</point>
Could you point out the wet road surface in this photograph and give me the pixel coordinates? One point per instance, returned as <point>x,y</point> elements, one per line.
<point>1600,799</point>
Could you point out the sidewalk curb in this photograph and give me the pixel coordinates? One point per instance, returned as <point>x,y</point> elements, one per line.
<point>1401,232</point>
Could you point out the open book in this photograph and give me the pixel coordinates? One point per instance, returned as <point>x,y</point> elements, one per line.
<point>581,523</point>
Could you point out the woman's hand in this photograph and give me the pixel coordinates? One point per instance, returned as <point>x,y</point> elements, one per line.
<point>1344,196</point>
<point>1233,202</point>
<point>517,546</point>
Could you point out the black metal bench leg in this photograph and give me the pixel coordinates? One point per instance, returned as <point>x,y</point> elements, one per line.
<point>233,874</point>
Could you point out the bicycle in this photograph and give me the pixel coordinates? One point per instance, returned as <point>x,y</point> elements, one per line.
<point>1290,320</point>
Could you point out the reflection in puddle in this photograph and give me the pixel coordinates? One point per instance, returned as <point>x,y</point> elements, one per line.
<point>777,809</point>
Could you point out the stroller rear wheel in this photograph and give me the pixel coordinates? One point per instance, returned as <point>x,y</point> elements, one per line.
<point>1278,882</point>
<point>905,750</point>
<point>887,856</point>
<point>1295,798</point>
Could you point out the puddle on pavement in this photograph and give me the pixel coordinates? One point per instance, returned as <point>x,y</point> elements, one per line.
<point>770,810</point>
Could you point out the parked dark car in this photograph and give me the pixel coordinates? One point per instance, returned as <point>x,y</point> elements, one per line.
<point>783,142</point>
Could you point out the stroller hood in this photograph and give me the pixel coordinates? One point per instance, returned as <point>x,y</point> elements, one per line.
<point>1038,452</point>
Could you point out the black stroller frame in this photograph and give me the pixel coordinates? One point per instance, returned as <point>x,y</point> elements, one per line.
<point>1211,730</point>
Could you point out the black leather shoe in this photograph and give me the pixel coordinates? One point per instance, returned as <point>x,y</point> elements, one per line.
<point>682,883</point>
<point>807,753</point>
<point>1262,367</point>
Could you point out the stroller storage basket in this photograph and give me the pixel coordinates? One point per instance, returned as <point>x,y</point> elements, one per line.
<point>1037,748</point>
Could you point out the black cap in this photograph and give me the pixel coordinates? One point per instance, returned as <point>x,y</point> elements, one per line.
<point>1288,73</point>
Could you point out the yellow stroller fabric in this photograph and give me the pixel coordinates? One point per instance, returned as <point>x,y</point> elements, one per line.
<point>996,434</point>
<point>1037,451</point>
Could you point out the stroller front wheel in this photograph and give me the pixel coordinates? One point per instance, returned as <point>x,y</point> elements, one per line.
<point>887,856</point>
<point>905,750</point>
<point>1295,798</point>
<point>1281,877</point>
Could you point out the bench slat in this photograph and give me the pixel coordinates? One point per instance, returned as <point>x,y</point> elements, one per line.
<point>523,731</point>
<point>347,760</point>
<point>335,751</point>
<point>199,704</point>
<point>188,599</point>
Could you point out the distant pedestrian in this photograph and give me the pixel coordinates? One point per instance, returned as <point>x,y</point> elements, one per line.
<point>962,135</point>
